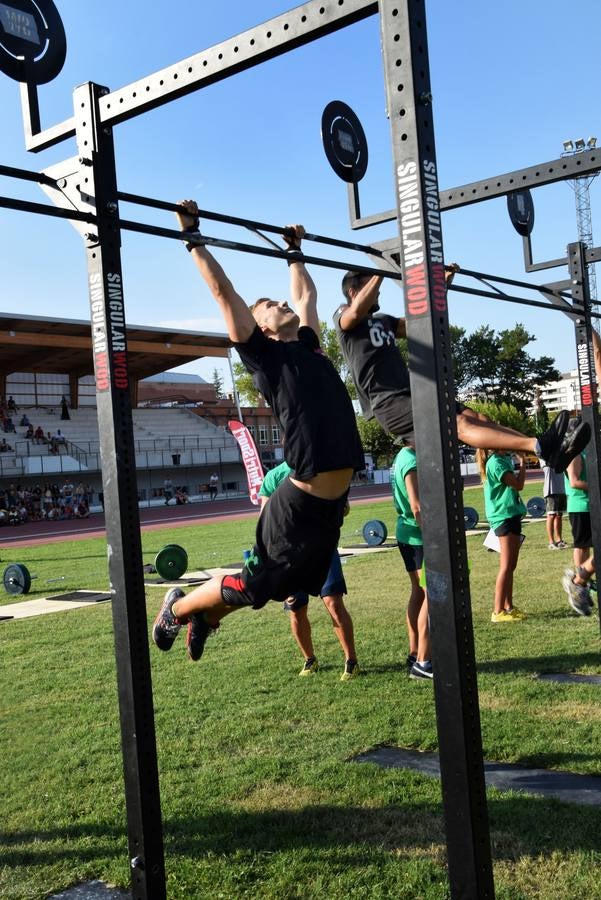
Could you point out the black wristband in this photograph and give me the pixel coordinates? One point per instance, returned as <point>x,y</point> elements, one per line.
<point>192,229</point>
<point>294,254</point>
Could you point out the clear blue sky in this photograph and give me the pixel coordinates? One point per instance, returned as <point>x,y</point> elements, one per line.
<point>510,83</point>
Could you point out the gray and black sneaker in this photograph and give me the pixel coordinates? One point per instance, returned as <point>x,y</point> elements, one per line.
<point>573,444</point>
<point>551,439</point>
<point>166,626</point>
<point>578,594</point>
<point>198,632</point>
<point>422,671</point>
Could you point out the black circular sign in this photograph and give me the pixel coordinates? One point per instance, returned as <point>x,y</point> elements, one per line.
<point>521,211</point>
<point>32,40</point>
<point>344,141</point>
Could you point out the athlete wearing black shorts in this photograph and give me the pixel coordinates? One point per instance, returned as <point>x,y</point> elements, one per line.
<point>298,530</point>
<point>367,340</point>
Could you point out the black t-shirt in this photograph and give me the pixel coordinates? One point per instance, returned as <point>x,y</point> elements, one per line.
<point>373,358</point>
<point>309,400</point>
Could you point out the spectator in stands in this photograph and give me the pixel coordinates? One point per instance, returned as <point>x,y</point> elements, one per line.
<point>29,432</point>
<point>38,435</point>
<point>59,437</point>
<point>53,513</point>
<point>11,496</point>
<point>167,490</point>
<point>82,510</point>
<point>4,447</point>
<point>66,511</point>
<point>47,495</point>
<point>64,408</point>
<point>52,445</point>
<point>36,502</point>
<point>11,406</point>
<point>24,421</point>
<point>213,483</point>
<point>13,516</point>
<point>9,425</point>
<point>181,496</point>
<point>2,498</point>
<point>67,492</point>
<point>101,499</point>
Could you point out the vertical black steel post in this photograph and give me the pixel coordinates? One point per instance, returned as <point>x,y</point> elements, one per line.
<point>405,50</point>
<point>589,397</point>
<point>107,311</point>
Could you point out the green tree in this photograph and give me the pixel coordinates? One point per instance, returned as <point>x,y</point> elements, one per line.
<point>217,382</point>
<point>248,393</point>
<point>495,366</point>
<point>504,414</point>
<point>377,442</point>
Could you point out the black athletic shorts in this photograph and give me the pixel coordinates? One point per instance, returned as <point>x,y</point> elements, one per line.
<point>580,523</point>
<point>509,526</point>
<point>395,415</point>
<point>296,537</point>
<point>413,556</point>
<point>555,504</point>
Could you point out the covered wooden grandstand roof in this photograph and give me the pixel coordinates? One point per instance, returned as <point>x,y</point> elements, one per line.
<point>31,344</point>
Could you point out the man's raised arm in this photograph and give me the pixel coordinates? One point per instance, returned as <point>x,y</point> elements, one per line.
<point>303,292</point>
<point>361,303</point>
<point>238,318</point>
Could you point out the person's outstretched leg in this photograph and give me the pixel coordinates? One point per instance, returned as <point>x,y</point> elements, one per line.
<point>343,626</point>
<point>414,605</point>
<point>301,630</point>
<point>555,446</point>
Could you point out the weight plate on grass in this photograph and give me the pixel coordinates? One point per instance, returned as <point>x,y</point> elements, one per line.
<point>375,533</point>
<point>536,507</point>
<point>470,517</point>
<point>171,562</point>
<point>17,579</point>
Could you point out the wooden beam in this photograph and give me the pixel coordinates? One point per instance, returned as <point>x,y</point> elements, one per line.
<point>65,341</point>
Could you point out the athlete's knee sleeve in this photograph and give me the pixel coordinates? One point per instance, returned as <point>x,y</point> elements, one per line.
<point>233,592</point>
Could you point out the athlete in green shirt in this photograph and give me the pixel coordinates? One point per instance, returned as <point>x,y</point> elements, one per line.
<point>504,511</point>
<point>405,494</point>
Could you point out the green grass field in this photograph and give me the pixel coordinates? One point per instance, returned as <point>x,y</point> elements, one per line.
<point>259,798</point>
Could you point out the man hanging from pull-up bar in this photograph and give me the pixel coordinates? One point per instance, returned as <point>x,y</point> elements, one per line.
<point>368,343</point>
<point>298,530</point>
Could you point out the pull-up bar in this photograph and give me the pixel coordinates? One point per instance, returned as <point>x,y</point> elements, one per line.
<point>246,223</point>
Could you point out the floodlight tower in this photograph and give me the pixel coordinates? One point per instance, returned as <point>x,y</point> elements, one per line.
<point>581,187</point>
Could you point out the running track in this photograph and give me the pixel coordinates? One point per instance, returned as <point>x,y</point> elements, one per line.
<point>208,512</point>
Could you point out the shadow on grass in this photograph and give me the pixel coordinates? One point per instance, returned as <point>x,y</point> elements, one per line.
<point>534,825</point>
<point>536,665</point>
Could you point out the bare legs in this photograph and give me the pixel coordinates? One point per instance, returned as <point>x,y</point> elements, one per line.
<point>486,435</point>
<point>341,623</point>
<point>508,560</point>
<point>418,629</point>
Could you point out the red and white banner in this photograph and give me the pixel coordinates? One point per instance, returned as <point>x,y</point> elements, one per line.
<point>250,458</point>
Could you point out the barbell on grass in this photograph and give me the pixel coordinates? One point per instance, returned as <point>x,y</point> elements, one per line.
<point>171,562</point>
<point>536,507</point>
<point>17,579</point>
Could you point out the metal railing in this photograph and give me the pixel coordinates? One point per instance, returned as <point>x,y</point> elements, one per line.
<point>151,453</point>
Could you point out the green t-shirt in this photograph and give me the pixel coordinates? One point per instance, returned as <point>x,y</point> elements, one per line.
<point>577,498</point>
<point>407,529</point>
<point>501,501</point>
<point>273,478</point>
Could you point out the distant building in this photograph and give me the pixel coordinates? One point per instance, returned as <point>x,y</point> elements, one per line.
<point>198,395</point>
<point>562,394</point>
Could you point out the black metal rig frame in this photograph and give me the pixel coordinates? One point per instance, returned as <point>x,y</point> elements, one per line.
<point>85,191</point>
